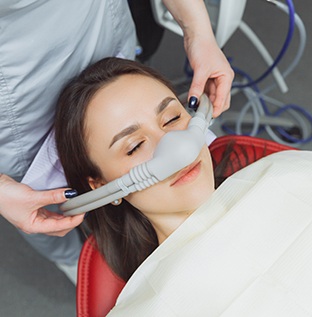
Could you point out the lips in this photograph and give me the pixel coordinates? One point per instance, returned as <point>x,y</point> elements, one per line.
<point>186,173</point>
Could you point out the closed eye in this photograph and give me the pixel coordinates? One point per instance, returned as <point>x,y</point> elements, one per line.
<point>135,148</point>
<point>173,119</point>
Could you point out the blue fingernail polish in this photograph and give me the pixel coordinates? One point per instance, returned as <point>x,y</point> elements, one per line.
<point>193,102</point>
<point>70,193</point>
<point>86,215</point>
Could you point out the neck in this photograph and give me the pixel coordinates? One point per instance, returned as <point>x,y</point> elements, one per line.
<point>166,224</point>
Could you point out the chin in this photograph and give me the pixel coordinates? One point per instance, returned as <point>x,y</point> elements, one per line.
<point>194,201</point>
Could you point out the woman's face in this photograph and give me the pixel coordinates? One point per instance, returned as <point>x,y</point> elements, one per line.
<point>124,122</point>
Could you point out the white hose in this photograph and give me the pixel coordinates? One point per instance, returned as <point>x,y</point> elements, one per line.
<point>253,97</point>
<point>251,35</point>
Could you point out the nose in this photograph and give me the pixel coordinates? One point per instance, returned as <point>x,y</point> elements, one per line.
<point>158,132</point>
<point>157,137</point>
<point>176,150</point>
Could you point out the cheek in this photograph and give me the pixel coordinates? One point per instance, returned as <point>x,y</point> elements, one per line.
<point>147,199</point>
<point>115,166</point>
<point>163,199</point>
<point>113,171</point>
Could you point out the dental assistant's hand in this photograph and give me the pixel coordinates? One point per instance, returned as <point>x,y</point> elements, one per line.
<point>212,72</point>
<point>23,207</point>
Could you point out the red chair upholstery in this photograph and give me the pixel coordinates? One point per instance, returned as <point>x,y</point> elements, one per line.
<point>245,151</point>
<point>98,287</point>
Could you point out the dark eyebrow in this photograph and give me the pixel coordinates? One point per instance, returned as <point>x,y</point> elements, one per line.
<point>129,130</point>
<point>163,104</point>
<point>133,128</point>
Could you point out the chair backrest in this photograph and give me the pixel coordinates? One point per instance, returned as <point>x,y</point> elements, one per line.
<point>98,287</point>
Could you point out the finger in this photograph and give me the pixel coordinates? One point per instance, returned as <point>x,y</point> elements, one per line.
<point>50,197</point>
<point>198,84</point>
<point>53,224</point>
<point>222,95</point>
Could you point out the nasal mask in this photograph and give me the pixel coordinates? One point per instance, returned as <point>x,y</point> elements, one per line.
<point>175,150</point>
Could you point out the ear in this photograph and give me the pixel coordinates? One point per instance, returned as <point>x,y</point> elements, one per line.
<point>95,183</point>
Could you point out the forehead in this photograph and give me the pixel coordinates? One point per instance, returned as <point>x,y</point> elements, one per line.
<point>128,99</point>
<point>131,83</point>
<point>131,91</point>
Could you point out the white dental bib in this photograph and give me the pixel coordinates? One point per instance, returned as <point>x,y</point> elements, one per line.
<point>246,252</point>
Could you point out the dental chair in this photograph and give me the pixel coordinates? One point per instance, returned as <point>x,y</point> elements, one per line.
<point>98,287</point>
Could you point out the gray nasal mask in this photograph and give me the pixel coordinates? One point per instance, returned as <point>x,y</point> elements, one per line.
<point>176,150</point>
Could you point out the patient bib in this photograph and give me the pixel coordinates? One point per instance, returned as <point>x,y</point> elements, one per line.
<point>246,252</point>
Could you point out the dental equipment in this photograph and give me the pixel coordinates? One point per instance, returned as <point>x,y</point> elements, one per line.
<point>176,150</point>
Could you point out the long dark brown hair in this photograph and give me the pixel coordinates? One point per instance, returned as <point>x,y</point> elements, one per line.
<point>123,234</point>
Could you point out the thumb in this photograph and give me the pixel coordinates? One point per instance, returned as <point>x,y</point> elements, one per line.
<point>54,196</point>
<point>198,84</point>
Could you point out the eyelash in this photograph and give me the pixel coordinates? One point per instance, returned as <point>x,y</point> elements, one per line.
<point>135,148</point>
<point>173,119</point>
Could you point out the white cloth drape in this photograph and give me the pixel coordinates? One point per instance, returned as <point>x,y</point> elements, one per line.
<point>246,252</point>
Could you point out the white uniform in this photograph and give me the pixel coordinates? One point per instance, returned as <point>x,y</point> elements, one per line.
<point>44,43</point>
